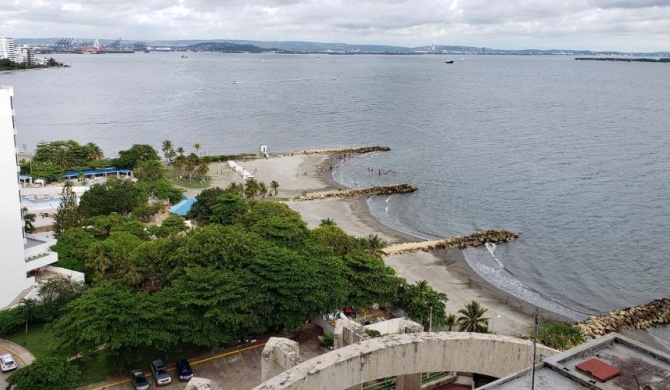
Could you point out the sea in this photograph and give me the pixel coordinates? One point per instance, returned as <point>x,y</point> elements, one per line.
<point>572,154</point>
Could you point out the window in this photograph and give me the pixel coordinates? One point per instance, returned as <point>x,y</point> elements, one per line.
<point>11,102</point>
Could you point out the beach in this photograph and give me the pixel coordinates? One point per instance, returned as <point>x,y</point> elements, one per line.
<point>445,270</point>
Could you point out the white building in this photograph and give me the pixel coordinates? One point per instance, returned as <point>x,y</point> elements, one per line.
<point>24,55</point>
<point>23,255</point>
<point>7,49</point>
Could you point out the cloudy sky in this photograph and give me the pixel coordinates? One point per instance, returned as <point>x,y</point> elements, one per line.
<point>630,25</point>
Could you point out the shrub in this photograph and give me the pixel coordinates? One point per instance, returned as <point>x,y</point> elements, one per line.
<point>10,320</point>
<point>560,336</point>
<point>372,332</point>
<point>328,340</point>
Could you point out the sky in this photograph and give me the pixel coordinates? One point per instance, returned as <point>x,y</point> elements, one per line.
<point>625,25</point>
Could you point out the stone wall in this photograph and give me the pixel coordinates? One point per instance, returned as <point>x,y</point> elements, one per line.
<point>644,316</point>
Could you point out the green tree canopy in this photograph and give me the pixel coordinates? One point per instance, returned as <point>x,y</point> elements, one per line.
<point>420,302</point>
<point>68,215</point>
<point>115,196</point>
<point>129,159</point>
<point>149,170</point>
<point>201,211</point>
<point>171,225</point>
<point>471,318</point>
<point>228,209</point>
<point>71,248</point>
<point>45,373</point>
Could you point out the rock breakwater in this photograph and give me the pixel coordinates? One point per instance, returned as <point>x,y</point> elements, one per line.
<point>353,192</point>
<point>469,240</point>
<point>644,316</point>
<point>361,150</point>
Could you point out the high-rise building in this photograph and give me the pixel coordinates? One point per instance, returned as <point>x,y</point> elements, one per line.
<point>24,55</point>
<point>7,50</point>
<point>23,255</point>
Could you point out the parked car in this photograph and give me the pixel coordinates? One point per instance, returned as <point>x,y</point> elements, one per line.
<point>160,372</point>
<point>7,363</point>
<point>138,380</point>
<point>184,371</point>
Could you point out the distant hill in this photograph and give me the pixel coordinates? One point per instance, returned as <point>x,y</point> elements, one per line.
<point>228,47</point>
<point>235,46</point>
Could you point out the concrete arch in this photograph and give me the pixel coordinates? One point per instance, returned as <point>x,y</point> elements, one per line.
<point>411,353</point>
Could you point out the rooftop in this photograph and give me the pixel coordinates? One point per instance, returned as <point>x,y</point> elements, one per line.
<point>639,366</point>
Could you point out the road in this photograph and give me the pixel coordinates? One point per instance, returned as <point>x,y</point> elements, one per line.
<point>21,355</point>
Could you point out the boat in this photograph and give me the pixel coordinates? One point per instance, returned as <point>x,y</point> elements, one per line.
<point>449,62</point>
<point>187,57</point>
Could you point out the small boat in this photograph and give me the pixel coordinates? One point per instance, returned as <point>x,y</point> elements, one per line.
<point>449,62</point>
<point>187,57</point>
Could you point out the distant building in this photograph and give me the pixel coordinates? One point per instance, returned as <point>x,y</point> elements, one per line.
<point>25,55</point>
<point>7,50</point>
<point>24,256</point>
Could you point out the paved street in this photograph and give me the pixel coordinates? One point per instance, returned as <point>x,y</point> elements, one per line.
<point>21,355</point>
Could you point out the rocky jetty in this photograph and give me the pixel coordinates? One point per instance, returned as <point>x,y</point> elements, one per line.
<point>361,150</point>
<point>353,192</point>
<point>644,316</point>
<point>469,240</point>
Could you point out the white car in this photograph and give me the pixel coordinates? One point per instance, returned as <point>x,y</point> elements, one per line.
<point>7,363</point>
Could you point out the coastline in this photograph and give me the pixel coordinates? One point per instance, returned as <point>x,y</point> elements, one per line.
<point>445,270</point>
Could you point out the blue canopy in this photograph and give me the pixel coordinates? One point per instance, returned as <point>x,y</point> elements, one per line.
<point>182,208</point>
<point>102,171</point>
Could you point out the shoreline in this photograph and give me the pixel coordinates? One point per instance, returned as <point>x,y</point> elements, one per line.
<point>445,270</point>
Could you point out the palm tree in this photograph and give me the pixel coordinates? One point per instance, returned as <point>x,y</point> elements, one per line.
<point>471,318</point>
<point>197,147</point>
<point>275,187</point>
<point>235,189</point>
<point>250,189</point>
<point>201,170</point>
<point>167,149</point>
<point>93,152</point>
<point>327,222</point>
<point>63,158</point>
<point>373,244</point>
<point>190,168</point>
<point>180,150</point>
<point>178,164</point>
<point>450,321</point>
<point>262,189</point>
<point>28,220</point>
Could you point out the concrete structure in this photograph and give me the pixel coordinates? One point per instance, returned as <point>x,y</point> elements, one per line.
<point>202,384</point>
<point>349,332</point>
<point>25,55</point>
<point>7,49</point>
<point>279,355</point>
<point>23,256</point>
<point>635,366</point>
<point>405,356</point>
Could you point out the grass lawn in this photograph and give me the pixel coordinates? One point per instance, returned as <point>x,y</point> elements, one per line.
<point>38,340</point>
<point>195,182</point>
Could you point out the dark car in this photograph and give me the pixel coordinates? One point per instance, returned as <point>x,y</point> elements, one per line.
<point>161,373</point>
<point>184,371</point>
<point>138,380</point>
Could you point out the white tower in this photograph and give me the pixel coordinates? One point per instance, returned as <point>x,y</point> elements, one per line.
<point>13,278</point>
<point>7,50</point>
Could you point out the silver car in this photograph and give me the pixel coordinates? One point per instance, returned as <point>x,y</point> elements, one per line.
<point>161,374</point>
<point>7,363</point>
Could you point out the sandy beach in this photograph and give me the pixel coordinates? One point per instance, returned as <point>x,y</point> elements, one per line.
<point>445,270</point>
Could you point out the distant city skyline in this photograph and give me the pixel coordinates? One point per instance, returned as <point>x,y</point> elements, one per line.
<point>621,25</point>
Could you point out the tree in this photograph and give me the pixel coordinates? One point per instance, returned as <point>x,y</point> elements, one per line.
<point>28,220</point>
<point>130,158</point>
<point>71,248</point>
<point>201,210</point>
<point>118,318</point>
<point>262,189</point>
<point>172,225</point>
<point>67,214</point>
<point>228,209</point>
<point>235,189</point>
<point>369,280</point>
<point>47,373</point>
<point>450,321</point>
<point>423,304</point>
<point>180,150</point>
<point>275,187</point>
<point>115,196</point>
<point>201,170</point>
<point>149,170</point>
<point>167,149</point>
<point>250,189</point>
<point>162,189</point>
<point>327,222</point>
<point>560,336</point>
<point>331,236</point>
<point>197,147</point>
<point>373,244</point>
<point>63,159</point>
<point>93,152</point>
<point>471,318</point>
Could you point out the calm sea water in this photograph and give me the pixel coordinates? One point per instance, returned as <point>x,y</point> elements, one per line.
<point>572,154</point>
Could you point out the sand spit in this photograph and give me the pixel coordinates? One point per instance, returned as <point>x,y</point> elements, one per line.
<point>643,316</point>
<point>368,191</point>
<point>361,150</point>
<point>470,240</point>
